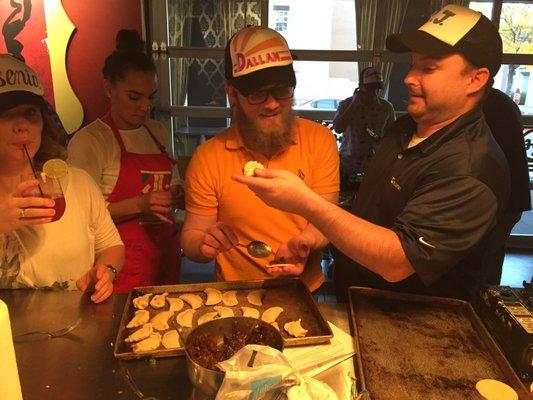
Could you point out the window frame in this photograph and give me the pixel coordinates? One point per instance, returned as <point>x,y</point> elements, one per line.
<point>157,33</point>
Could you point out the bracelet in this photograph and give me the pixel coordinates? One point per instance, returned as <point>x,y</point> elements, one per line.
<point>112,269</point>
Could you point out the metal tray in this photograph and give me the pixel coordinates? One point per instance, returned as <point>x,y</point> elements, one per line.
<point>419,347</point>
<point>289,293</point>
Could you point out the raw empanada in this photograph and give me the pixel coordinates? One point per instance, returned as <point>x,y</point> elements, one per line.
<point>229,298</point>
<point>294,328</point>
<point>224,312</point>
<point>271,314</point>
<point>158,301</point>
<point>208,316</point>
<point>160,321</point>
<point>255,297</point>
<point>140,334</point>
<point>184,318</point>
<point>176,304</point>
<point>171,339</point>
<point>141,317</point>
<point>214,296</point>
<point>152,342</point>
<point>141,302</point>
<point>250,312</point>
<point>192,299</point>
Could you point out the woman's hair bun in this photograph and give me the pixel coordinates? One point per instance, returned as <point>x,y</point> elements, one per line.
<point>129,40</point>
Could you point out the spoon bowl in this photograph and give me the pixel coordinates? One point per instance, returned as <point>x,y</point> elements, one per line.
<point>257,249</point>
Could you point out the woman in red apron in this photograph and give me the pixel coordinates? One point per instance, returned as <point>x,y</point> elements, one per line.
<point>124,153</point>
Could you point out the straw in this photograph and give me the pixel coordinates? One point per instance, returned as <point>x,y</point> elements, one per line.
<point>33,168</point>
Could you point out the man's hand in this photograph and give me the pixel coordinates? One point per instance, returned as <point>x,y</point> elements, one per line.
<point>279,189</point>
<point>98,279</point>
<point>217,239</point>
<point>158,203</point>
<point>294,252</point>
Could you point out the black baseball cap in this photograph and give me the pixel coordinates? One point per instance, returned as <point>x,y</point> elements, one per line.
<point>454,29</point>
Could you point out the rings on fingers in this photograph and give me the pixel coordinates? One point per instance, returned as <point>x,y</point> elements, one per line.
<point>22,213</point>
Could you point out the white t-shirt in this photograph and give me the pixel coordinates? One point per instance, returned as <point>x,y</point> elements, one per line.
<point>58,253</point>
<point>95,149</point>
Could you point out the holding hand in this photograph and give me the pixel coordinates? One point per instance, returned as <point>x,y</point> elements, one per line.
<point>217,239</point>
<point>294,252</point>
<point>158,203</point>
<point>279,189</point>
<point>17,211</point>
<point>98,279</point>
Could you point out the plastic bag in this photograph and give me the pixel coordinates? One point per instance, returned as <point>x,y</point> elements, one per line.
<point>262,372</point>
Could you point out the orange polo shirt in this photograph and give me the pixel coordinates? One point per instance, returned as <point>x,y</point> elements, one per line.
<point>211,191</point>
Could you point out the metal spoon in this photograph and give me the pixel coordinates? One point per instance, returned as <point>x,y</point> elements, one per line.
<point>257,249</point>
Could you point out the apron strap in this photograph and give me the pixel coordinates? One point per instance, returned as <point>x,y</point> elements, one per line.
<point>109,121</point>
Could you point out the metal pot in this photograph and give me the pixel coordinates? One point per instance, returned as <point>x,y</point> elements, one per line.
<point>207,380</point>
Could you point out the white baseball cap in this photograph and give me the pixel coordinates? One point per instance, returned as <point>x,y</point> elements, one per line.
<point>454,29</point>
<point>257,56</point>
<point>19,84</point>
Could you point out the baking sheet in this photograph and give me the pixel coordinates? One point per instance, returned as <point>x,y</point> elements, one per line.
<point>419,347</point>
<point>289,293</point>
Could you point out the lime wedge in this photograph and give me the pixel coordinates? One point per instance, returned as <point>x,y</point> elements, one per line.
<point>55,168</point>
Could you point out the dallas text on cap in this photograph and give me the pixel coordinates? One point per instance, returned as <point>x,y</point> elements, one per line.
<point>243,62</point>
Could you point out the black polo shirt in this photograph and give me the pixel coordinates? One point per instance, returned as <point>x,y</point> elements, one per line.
<point>441,197</point>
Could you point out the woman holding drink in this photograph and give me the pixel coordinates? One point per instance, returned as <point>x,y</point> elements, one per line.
<point>126,154</point>
<point>55,231</point>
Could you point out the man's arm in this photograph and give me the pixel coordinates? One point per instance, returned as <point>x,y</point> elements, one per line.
<point>344,115</point>
<point>312,234</point>
<point>192,234</point>
<point>297,249</point>
<point>203,238</point>
<point>377,248</point>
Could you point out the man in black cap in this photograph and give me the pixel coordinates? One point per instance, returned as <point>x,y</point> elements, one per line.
<point>362,118</point>
<point>438,181</point>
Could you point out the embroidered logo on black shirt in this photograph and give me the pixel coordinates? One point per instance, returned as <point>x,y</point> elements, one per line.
<point>425,242</point>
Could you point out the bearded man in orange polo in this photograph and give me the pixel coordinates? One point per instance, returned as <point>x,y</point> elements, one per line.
<point>221,213</point>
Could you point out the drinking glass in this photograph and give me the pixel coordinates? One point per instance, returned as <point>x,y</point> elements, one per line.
<point>50,188</point>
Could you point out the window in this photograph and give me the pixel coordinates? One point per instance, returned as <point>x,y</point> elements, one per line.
<point>323,81</point>
<point>516,30</point>
<point>281,16</point>
<point>316,24</point>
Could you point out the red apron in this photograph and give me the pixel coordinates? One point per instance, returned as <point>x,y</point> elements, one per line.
<point>152,250</point>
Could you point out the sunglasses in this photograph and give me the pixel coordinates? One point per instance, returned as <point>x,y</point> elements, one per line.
<point>279,93</point>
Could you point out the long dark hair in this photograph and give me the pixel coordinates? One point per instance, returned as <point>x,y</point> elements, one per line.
<point>52,138</point>
<point>129,55</point>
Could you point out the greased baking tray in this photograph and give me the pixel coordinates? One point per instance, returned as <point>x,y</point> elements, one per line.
<point>289,293</point>
<point>419,347</point>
